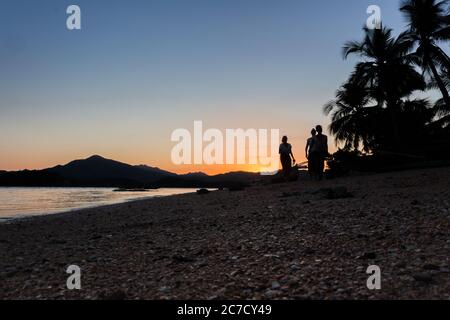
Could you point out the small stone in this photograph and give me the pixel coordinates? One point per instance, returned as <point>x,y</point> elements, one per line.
<point>271,256</point>
<point>270,294</point>
<point>275,285</point>
<point>116,295</point>
<point>164,289</point>
<point>295,267</point>
<point>444,270</point>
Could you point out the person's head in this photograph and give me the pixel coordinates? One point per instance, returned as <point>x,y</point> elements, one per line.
<point>313,132</point>
<point>285,139</point>
<point>319,129</point>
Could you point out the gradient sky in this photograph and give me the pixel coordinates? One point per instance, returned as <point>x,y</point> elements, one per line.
<point>140,69</point>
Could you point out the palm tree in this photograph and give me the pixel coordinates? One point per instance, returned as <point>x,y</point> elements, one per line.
<point>354,122</point>
<point>441,110</point>
<point>350,117</point>
<point>386,69</point>
<point>429,23</point>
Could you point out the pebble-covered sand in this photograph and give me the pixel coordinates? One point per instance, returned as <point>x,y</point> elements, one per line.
<point>304,240</point>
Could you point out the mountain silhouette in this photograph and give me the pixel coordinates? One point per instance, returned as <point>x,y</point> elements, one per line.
<point>155,170</point>
<point>99,168</point>
<point>97,171</point>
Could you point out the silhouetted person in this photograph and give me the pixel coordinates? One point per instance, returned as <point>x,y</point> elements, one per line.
<point>285,157</point>
<point>318,152</point>
<point>309,144</point>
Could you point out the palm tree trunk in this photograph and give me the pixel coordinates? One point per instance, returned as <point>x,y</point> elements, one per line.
<point>439,82</point>
<point>395,131</point>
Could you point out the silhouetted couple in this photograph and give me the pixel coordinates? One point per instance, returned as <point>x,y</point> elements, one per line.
<point>316,153</point>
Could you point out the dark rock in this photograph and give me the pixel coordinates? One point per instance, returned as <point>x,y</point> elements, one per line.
<point>334,193</point>
<point>179,258</point>
<point>423,277</point>
<point>288,195</point>
<point>431,267</point>
<point>280,178</point>
<point>368,256</point>
<point>203,191</point>
<point>115,295</point>
<point>309,251</point>
<point>236,188</point>
<point>56,241</point>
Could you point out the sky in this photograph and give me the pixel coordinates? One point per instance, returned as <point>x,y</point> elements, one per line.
<point>139,69</point>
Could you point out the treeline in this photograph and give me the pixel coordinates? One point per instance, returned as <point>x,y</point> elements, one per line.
<point>381,110</point>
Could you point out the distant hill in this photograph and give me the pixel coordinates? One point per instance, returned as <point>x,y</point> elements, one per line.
<point>34,178</point>
<point>97,171</point>
<point>98,168</point>
<point>227,180</point>
<point>194,175</point>
<point>154,170</point>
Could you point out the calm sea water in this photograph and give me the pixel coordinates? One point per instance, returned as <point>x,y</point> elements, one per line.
<point>25,202</point>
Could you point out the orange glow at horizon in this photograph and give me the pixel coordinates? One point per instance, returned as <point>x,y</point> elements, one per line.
<point>124,147</point>
<point>216,169</point>
<point>178,169</point>
<point>20,161</point>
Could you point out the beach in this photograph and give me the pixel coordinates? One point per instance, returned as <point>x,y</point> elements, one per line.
<point>302,240</point>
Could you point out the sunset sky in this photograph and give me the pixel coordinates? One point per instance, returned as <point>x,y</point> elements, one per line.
<point>140,69</point>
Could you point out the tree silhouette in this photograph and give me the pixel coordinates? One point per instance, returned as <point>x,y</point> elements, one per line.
<point>351,118</point>
<point>429,23</point>
<point>386,71</point>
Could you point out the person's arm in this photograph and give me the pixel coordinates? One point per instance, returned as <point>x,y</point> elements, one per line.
<point>306,149</point>
<point>292,155</point>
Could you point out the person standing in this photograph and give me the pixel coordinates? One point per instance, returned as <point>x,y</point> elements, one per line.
<point>286,157</point>
<point>318,152</point>
<point>309,144</point>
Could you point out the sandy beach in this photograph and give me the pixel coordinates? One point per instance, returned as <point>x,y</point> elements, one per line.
<point>305,240</point>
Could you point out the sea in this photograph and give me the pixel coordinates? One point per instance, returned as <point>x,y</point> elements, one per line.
<point>27,202</point>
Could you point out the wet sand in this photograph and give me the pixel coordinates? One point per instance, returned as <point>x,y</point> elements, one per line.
<point>288,241</point>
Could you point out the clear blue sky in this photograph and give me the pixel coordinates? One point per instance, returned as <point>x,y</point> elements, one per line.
<point>139,69</point>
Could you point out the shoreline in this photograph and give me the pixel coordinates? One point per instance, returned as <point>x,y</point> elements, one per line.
<point>88,207</point>
<point>67,212</point>
<point>286,241</point>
